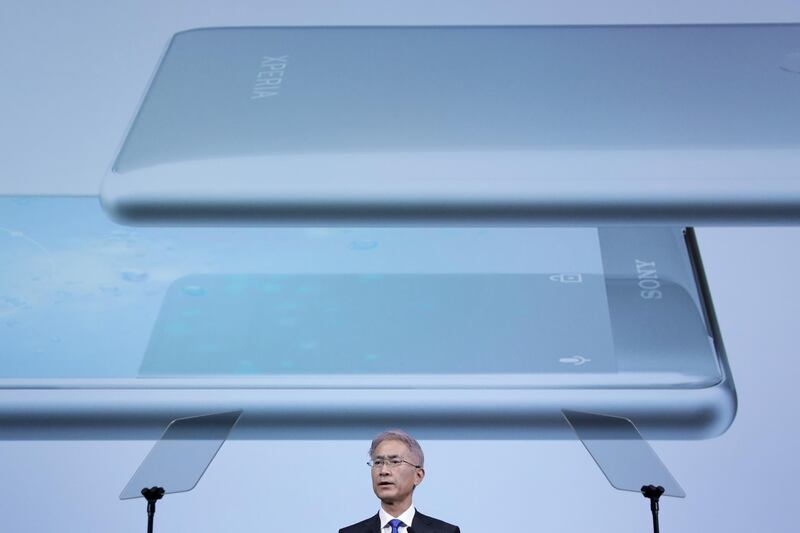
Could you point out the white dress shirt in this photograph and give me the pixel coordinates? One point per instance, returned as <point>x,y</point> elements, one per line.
<point>406,517</point>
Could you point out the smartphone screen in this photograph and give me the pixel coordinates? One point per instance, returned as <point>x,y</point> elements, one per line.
<point>456,323</point>
<point>82,298</point>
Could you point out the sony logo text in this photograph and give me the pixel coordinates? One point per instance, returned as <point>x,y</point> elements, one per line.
<point>269,77</point>
<point>649,284</point>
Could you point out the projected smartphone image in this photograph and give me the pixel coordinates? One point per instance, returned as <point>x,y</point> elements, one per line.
<point>442,330</point>
<point>519,125</point>
<point>111,332</point>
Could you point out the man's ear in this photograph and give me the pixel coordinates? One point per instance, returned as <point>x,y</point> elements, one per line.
<point>419,475</point>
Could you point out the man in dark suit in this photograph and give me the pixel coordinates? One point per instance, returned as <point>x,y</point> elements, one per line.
<point>396,461</point>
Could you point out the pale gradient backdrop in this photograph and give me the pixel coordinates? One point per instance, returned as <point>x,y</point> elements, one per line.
<point>72,76</point>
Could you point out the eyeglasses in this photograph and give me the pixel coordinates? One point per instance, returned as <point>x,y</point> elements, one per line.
<point>391,462</point>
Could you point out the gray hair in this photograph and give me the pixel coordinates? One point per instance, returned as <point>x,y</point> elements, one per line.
<point>402,436</point>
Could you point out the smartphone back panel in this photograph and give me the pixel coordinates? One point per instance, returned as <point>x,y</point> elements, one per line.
<point>656,124</point>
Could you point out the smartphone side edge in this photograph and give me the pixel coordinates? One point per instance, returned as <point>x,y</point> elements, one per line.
<point>727,383</point>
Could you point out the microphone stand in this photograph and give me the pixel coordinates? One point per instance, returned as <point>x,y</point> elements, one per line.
<point>152,495</point>
<point>653,493</point>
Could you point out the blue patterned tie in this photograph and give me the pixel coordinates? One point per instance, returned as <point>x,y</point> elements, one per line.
<point>395,524</point>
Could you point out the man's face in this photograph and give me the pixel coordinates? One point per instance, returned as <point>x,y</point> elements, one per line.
<point>392,485</point>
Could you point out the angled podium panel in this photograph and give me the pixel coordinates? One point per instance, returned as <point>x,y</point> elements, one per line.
<point>181,456</point>
<point>624,457</point>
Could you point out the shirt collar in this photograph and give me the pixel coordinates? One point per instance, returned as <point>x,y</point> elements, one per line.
<point>406,516</point>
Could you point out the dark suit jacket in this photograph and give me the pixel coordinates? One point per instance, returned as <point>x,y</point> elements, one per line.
<point>421,524</point>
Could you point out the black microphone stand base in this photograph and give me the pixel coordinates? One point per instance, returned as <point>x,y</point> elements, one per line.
<point>653,493</point>
<point>152,495</point>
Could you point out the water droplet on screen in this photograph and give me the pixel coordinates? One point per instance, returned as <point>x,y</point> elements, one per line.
<point>308,344</point>
<point>62,296</point>
<point>194,290</point>
<point>133,276</point>
<point>271,288</point>
<point>286,306</point>
<point>110,289</point>
<point>307,289</point>
<point>235,288</point>
<point>10,303</point>
<point>246,366</point>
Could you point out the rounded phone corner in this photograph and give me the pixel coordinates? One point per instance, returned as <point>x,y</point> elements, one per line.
<point>719,412</point>
<point>113,201</point>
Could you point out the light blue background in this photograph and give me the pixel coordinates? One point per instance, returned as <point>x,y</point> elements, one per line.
<point>73,74</point>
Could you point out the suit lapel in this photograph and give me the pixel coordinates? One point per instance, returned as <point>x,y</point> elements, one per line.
<point>374,525</point>
<point>421,523</point>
